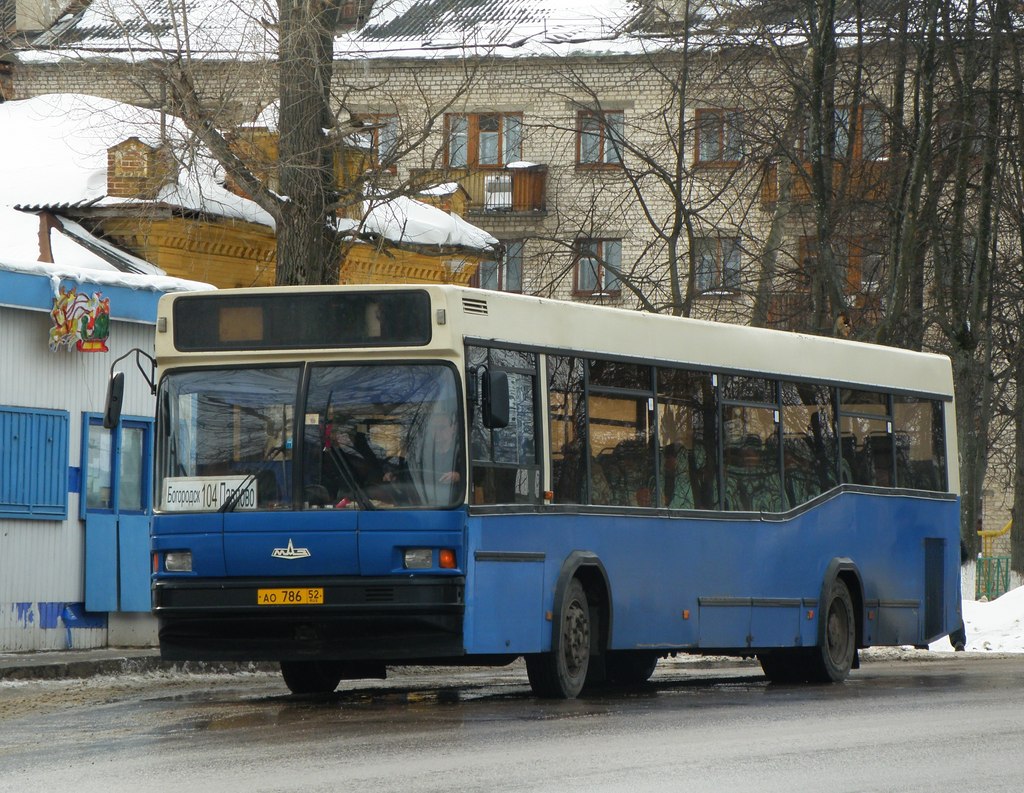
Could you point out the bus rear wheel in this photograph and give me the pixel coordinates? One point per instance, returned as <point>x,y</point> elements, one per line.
<point>311,677</point>
<point>832,659</point>
<point>561,673</point>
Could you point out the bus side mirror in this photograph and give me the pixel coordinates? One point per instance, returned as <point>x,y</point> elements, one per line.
<point>115,394</point>
<point>495,400</point>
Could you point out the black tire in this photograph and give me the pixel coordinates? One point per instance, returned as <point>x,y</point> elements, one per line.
<point>630,667</point>
<point>561,673</point>
<point>311,677</point>
<point>832,659</point>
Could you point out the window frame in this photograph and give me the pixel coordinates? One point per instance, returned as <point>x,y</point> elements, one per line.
<point>854,254</point>
<point>723,126</point>
<point>501,267</point>
<point>381,122</point>
<point>473,139</point>
<point>610,155</point>
<point>881,148</point>
<point>719,275</point>
<point>581,247</point>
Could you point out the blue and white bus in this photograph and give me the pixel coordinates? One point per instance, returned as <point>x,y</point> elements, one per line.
<point>352,477</point>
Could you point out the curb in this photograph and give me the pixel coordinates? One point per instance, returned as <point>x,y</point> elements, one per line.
<point>44,666</point>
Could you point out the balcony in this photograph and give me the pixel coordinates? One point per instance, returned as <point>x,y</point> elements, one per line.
<point>859,181</point>
<point>493,190</point>
<point>793,310</point>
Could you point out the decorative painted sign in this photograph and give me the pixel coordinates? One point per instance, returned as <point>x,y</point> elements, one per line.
<point>80,320</point>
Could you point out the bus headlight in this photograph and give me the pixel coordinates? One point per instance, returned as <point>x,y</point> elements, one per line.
<point>418,558</point>
<point>178,561</point>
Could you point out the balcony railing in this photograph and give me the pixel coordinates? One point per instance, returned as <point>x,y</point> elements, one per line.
<point>793,310</point>
<point>858,181</point>
<point>494,189</point>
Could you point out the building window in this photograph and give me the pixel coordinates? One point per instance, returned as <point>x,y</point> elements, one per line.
<point>34,482</point>
<point>505,274</point>
<point>484,139</point>
<point>716,263</point>
<point>869,137</point>
<point>859,262</point>
<point>380,134</point>
<point>719,136</point>
<point>599,138</point>
<point>598,265</point>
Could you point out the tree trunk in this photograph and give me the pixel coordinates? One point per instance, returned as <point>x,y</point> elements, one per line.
<point>307,249</point>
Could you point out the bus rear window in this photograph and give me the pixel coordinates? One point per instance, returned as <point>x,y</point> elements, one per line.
<point>289,320</point>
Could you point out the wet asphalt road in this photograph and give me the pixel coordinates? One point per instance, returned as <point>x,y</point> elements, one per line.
<point>919,722</point>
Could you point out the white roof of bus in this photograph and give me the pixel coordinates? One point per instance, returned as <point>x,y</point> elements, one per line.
<point>564,326</point>
<point>712,345</point>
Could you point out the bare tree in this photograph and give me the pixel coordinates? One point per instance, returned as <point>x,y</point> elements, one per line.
<point>214,78</point>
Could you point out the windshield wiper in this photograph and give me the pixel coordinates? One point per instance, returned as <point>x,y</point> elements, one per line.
<point>235,495</point>
<point>345,469</point>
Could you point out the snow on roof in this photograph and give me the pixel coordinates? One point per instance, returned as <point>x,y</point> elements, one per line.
<point>62,142</point>
<point>419,28</point>
<point>513,27</point>
<point>422,224</point>
<point>227,29</point>
<point>74,257</point>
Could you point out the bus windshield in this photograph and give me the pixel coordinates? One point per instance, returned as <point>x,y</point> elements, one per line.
<point>369,436</point>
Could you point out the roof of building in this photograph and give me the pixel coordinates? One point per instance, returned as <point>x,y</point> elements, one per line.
<point>219,28</point>
<point>62,142</point>
<point>147,29</point>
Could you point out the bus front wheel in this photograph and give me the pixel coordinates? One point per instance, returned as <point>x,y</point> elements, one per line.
<point>311,677</point>
<point>561,673</point>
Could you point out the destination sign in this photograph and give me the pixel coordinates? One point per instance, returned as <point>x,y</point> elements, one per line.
<point>207,493</point>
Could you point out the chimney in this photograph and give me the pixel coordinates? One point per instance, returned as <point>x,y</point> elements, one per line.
<point>137,170</point>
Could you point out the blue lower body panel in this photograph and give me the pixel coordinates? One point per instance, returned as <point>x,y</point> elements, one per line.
<point>730,583</point>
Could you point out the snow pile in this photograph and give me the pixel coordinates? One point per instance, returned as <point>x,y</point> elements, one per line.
<point>997,626</point>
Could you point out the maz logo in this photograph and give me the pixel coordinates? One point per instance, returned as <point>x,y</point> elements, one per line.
<point>291,552</point>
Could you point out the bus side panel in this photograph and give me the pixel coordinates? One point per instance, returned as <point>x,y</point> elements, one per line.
<point>720,583</point>
<point>506,611</point>
<point>515,561</point>
<point>509,583</point>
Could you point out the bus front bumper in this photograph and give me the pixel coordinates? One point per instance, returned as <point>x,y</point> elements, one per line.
<point>382,619</point>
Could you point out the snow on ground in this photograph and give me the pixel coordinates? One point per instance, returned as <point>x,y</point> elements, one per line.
<point>997,626</point>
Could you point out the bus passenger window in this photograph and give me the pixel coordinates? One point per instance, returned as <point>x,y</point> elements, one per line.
<point>750,442</point>
<point>688,453</point>
<point>864,427</point>
<point>620,434</point>
<point>920,445</point>
<point>752,475</point>
<point>567,411</point>
<point>810,454</point>
<point>622,458</point>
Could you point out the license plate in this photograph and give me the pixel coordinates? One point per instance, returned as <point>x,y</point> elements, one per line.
<point>290,597</point>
